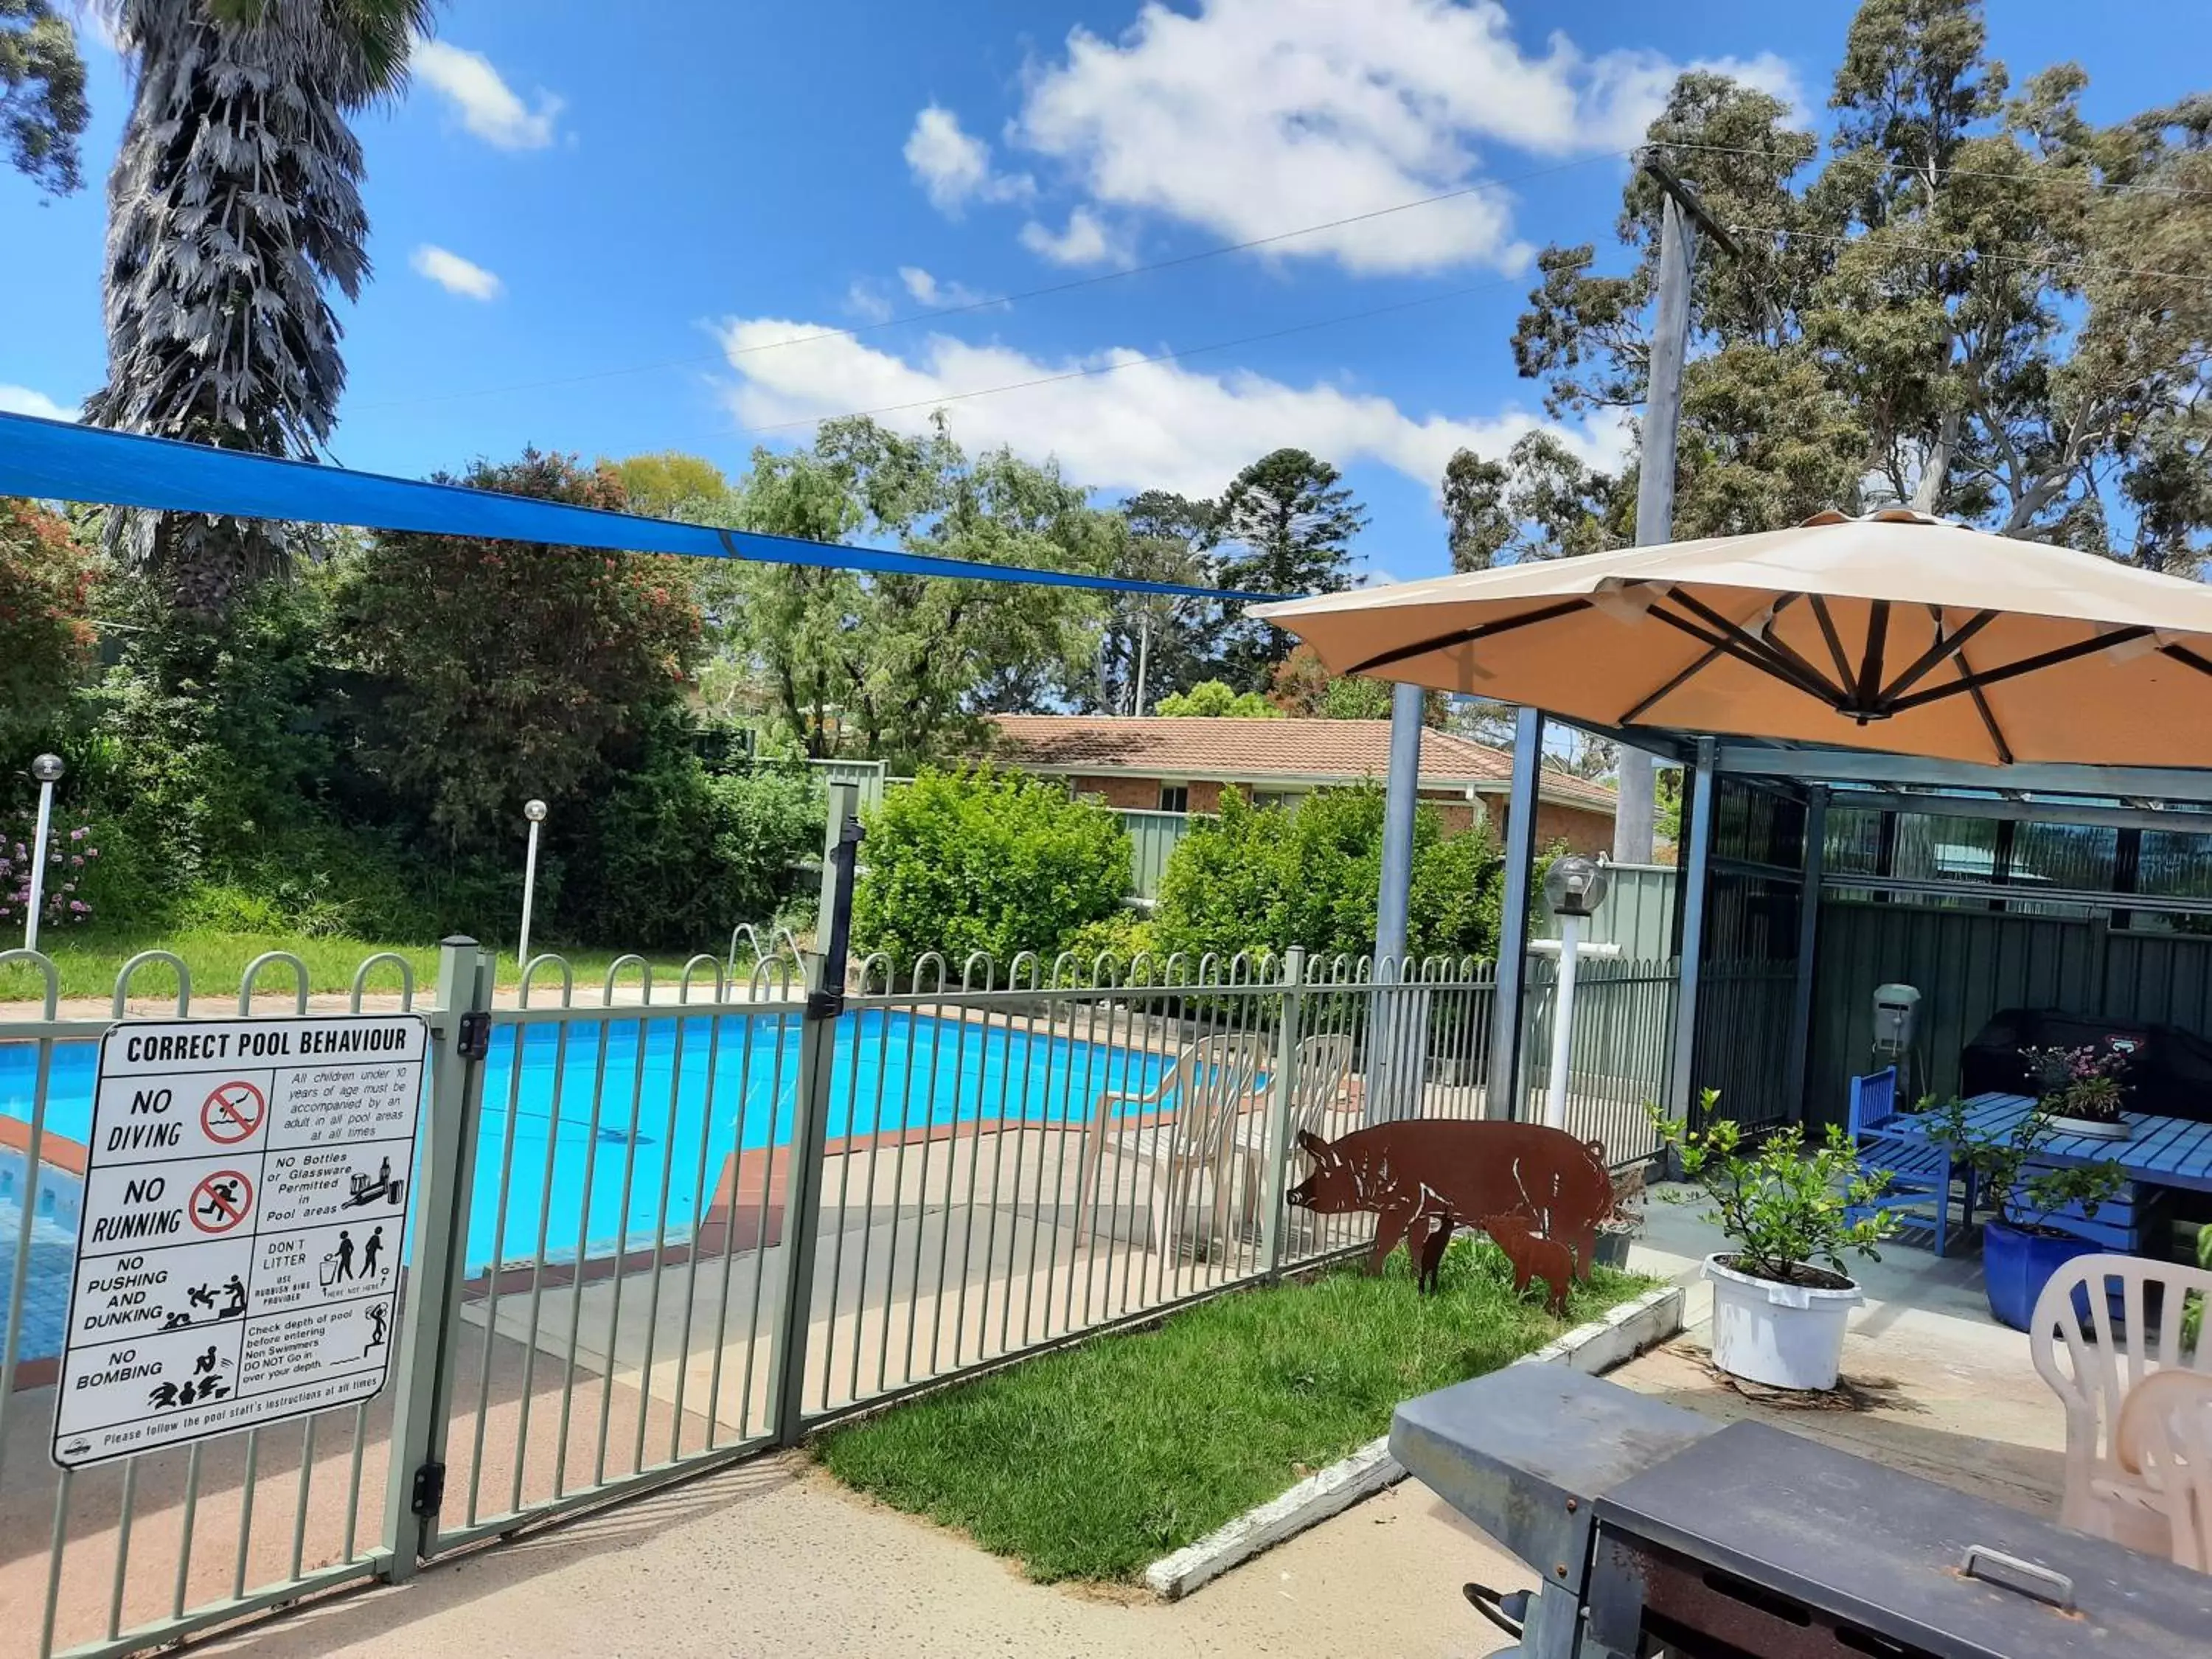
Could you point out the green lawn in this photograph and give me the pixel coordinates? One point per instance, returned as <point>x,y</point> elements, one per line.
<point>1095,1461</point>
<point>215,959</point>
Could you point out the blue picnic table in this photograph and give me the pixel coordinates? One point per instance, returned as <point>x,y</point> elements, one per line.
<point>2159,1151</point>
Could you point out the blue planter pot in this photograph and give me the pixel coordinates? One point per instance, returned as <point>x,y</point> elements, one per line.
<point>2017,1264</point>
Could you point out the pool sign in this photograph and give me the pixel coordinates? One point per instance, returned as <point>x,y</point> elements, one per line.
<point>245,1204</point>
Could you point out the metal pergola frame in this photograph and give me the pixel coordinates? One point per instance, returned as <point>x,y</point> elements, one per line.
<point>2165,798</point>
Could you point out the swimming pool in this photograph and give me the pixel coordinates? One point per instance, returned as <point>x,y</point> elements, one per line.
<point>675,1099</point>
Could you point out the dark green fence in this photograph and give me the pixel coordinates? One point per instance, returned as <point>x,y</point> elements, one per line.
<point>1967,965</point>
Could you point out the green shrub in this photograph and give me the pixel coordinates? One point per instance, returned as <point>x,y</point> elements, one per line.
<point>1123,936</point>
<point>498,670</point>
<point>45,631</point>
<point>983,860</point>
<point>672,857</point>
<point>1270,878</point>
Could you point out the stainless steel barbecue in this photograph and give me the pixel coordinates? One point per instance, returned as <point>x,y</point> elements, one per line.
<point>1657,1532</point>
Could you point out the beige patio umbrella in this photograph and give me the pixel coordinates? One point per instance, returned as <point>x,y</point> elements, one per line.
<point>1892,632</point>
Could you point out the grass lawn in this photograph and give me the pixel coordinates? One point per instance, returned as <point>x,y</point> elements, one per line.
<point>88,965</point>
<point>1097,1461</point>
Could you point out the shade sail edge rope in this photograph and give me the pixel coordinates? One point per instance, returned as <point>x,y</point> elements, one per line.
<point>59,460</point>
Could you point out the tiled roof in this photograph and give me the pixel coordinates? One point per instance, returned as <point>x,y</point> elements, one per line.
<point>1238,750</point>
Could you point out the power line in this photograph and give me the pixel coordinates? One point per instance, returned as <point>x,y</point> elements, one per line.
<point>997,302</point>
<point>1137,362</point>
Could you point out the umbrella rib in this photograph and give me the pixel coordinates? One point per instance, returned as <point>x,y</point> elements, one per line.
<point>1772,668</point>
<point>1470,635</point>
<point>2053,659</point>
<point>1713,654</point>
<point>1776,659</point>
<point>1870,665</point>
<point>1935,655</point>
<point>2182,654</point>
<point>1835,640</point>
<point>1988,714</point>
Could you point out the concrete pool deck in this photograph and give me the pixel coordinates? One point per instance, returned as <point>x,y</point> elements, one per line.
<point>768,1556</point>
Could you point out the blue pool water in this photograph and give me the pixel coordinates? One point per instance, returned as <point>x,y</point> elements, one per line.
<point>673,1106</point>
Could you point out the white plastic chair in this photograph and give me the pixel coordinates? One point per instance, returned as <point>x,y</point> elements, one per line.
<point>1190,1147</point>
<point>1319,1072</point>
<point>2166,1436</point>
<point>2093,1364</point>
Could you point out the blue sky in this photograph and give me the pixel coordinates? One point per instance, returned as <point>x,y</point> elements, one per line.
<point>595,227</point>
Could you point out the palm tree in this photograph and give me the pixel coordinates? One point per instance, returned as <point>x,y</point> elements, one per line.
<point>234,206</point>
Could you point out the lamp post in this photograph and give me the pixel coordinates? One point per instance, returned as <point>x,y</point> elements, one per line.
<point>535,811</point>
<point>47,770</point>
<point>1574,887</point>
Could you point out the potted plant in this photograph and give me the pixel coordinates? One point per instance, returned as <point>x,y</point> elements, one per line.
<point>2020,1247</point>
<point>1624,1221</point>
<point>1781,1297</point>
<point>2082,1088</point>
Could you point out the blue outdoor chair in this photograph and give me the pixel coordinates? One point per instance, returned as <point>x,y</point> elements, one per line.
<point>1920,1170</point>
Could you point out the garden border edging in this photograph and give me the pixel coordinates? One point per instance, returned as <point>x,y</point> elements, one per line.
<point>1624,1332</point>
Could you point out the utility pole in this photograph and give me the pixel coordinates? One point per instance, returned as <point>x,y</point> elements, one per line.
<point>1682,217</point>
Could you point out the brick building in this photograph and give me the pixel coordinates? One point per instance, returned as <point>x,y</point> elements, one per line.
<point>1181,765</point>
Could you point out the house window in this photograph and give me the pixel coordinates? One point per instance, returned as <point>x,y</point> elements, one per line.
<point>1286,799</point>
<point>1175,797</point>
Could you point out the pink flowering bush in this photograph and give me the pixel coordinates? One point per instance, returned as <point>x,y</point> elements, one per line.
<point>70,856</point>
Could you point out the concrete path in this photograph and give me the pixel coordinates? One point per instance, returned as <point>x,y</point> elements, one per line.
<point>1940,1389</point>
<point>773,1559</point>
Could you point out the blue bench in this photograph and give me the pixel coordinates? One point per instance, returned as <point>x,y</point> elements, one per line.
<point>1920,1170</point>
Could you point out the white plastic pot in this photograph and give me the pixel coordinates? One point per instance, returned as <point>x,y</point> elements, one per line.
<point>1787,1336</point>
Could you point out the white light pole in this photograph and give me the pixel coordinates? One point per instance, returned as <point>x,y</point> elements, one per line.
<point>535,811</point>
<point>1574,887</point>
<point>47,770</point>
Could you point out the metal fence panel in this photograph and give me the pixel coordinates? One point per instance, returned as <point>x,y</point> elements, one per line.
<point>1624,1023</point>
<point>121,1556</point>
<point>1636,913</point>
<point>1152,837</point>
<point>637,1249</point>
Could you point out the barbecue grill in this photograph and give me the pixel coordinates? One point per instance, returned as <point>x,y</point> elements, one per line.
<point>1657,1532</point>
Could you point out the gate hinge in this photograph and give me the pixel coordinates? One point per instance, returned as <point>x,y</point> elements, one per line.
<point>824,1005</point>
<point>472,1035</point>
<point>430,1494</point>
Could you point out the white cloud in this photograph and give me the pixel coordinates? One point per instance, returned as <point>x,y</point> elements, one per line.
<point>928,290</point>
<point>488,108</point>
<point>22,400</point>
<point>1086,241</point>
<point>1145,425</point>
<point>867,300</point>
<point>1251,117</point>
<point>955,167</point>
<point>454,274</point>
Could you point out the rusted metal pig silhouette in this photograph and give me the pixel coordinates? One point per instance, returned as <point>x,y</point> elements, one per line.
<point>1539,1192</point>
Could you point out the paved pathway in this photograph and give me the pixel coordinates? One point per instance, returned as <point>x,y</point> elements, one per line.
<point>772,1559</point>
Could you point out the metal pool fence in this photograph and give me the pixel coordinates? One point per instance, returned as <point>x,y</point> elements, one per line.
<point>662,1224</point>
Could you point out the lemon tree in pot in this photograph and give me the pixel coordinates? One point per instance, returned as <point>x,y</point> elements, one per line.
<point>1781,1297</point>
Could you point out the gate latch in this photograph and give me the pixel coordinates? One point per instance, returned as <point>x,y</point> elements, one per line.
<point>430,1494</point>
<point>473,1035</point>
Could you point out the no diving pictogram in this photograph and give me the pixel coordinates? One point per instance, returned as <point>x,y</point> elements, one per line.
<point>233,1112</point>
<point>219,1201</point>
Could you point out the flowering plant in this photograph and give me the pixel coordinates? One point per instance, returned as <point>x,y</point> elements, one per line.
<point>2080,1083</point>
<point>69,855</point>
